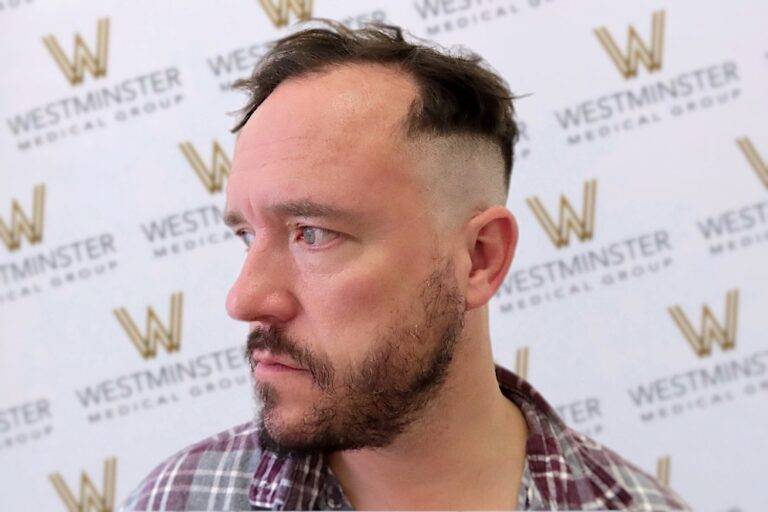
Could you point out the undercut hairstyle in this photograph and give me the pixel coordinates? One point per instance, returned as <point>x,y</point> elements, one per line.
<point>458,93</point>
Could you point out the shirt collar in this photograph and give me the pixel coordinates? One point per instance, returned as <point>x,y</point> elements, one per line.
<point>557,456</point>
<point>287,483</point>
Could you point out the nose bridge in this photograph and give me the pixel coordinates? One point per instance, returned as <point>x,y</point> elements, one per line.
<point>262,290</point>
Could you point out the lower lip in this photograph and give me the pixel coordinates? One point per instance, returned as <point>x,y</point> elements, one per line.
<point>270,369</point>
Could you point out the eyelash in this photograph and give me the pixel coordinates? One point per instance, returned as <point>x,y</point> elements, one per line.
<point>240,234</point>
<point>297,228</point>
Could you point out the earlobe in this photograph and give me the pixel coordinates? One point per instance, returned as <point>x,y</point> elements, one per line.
<point>492,241</point>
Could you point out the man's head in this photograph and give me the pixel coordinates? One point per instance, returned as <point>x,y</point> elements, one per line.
<point>368,183</point>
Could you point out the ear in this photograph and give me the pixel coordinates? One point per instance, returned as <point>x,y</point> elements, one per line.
<point>491,241</point>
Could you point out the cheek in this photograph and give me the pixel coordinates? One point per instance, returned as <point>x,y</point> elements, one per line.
<point>367,299</point>
<point>356,307</point>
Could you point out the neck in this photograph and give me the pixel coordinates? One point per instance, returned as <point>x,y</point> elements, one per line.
<point>467,449</point>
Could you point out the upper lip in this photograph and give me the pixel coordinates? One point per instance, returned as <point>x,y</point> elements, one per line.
<point>268,358</point>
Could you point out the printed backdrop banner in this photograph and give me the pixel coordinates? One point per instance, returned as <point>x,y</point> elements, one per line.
<point>637,301</point>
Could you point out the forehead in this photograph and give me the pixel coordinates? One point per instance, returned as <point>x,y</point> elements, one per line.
<point>336,133</point>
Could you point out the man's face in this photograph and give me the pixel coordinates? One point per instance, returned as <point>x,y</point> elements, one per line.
<point>346,275</point>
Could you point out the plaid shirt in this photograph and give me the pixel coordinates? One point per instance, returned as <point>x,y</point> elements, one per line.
<point>564,470</point>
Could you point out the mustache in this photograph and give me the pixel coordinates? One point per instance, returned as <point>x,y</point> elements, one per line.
<point>275,341</point>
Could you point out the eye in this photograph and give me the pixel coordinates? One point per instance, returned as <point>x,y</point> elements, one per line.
<point>314,236</point>
<point>246,237</point>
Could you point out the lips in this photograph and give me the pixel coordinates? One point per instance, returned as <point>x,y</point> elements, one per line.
<point>267,359</point>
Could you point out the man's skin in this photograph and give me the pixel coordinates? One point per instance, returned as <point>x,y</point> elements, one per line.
<point>337,138</point>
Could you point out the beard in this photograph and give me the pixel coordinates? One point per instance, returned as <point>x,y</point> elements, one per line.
<point>370,404</point>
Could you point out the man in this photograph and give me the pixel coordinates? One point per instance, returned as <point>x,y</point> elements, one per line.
<point>368,185</point>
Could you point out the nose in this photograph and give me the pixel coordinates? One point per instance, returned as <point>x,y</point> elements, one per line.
<point>261,293</point>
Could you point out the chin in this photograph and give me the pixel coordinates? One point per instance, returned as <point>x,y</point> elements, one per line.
<point>286,423</point>
<point>286,437</point>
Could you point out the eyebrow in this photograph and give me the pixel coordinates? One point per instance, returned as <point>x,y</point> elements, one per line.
<point>301,208</point>
<point>233,218</point>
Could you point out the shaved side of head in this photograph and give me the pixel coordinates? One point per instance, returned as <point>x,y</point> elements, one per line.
<point>463,172</point>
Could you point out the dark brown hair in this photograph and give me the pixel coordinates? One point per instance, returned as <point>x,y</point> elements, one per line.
<point>459,94</point>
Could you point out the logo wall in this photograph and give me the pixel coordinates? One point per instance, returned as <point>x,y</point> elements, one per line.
<point>35,267</point>
<point>754,158</point>
<point>95,62</point>
<point>583,226</point>
<point>155,333</point>
<point>279,11</point>
<point>658,98</point>
<point>575,271</point>
<point>636,51</point>
<point>89,499</point>
<point>198,227</point>
<point>240,62</point>
<point>20,224</point>
<point>711,331</point>
<point>213,176</point>
<point>663,469</point>
<point>441,16</point>
<point>25,423</point>
<point>102,107</point>
<point>521,362</point>
<point>700,387</point>
<point>744,227</point>
<point>161,381</point>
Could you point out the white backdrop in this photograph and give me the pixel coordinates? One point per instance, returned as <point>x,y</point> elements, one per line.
<point>646,326</point>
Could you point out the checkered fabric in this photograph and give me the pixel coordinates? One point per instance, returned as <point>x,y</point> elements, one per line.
<point>564,470</point>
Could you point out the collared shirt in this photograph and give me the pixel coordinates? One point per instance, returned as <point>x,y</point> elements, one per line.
<point>563,470</point>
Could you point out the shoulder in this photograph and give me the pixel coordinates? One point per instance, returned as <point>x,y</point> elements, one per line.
<point>618,483</point>
<point>214,473</point>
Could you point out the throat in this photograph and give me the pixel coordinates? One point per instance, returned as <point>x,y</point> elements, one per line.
<point>462,463</point>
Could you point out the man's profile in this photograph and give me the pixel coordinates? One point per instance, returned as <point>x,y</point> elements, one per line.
<point>369,184</point>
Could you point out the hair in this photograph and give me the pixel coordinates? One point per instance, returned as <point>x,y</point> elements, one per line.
<point>458,93</point>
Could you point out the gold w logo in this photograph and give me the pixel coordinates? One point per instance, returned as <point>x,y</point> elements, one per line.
<point>711,330</point>
<point>83,58</point>
<point>521,362</point>
<point>20,223</point>
<point>213,176</point>
<point>90,499</point>
<point>278,12</point>
<point>662,469</point>
<point>754,158</point>
<point>156,332</point>
<point>568,220</point>
<point>637,50</point>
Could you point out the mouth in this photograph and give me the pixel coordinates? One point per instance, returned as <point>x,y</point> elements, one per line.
<point>266,365</point>
<point>267,359</point>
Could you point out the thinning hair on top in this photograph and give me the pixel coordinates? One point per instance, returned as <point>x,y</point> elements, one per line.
<point>458,93</point>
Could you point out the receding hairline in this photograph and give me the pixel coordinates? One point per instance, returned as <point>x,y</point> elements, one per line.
<point>459,91</point>
<point>395,69</point>
<point>476,186</point>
